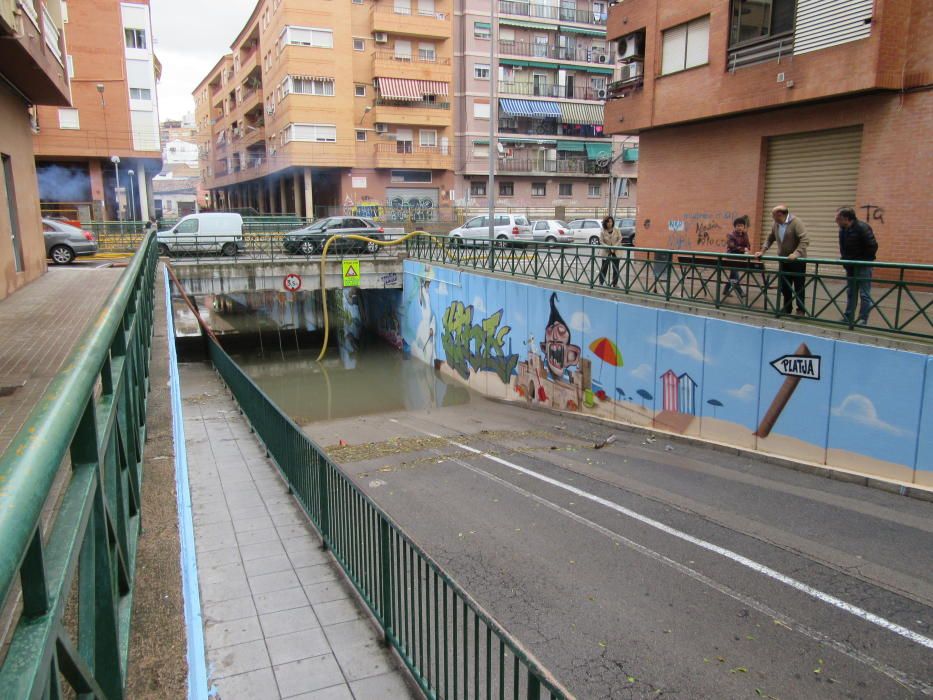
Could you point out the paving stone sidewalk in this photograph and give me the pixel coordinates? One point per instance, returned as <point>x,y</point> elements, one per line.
<point>280,621</point>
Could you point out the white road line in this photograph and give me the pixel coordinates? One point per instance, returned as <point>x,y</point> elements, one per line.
<point>709,546</point>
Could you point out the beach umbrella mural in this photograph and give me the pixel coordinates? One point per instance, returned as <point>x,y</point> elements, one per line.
<point>715,403</point>
<point>645,396</point>
<point>606,351</point>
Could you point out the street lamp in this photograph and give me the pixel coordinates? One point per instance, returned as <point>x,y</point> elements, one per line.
<point>493,116</point>
<point>116,191</point>
<point>129,185</point>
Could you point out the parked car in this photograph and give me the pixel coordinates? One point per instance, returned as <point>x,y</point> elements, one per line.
<point>311,239</point>
<point>551,231</point>
<point>63,242</point>
<point>202,233</point>
<point>509,228</point>
<point>587,230</point>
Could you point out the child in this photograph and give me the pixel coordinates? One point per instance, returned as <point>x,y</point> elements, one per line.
<point>736,243</point>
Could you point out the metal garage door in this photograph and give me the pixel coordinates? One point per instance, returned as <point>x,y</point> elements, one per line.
<point>814,174</point>
<point>412,203</point>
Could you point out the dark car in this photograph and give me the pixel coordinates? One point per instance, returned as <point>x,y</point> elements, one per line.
<point>63,241</point>
<point>311,239</point>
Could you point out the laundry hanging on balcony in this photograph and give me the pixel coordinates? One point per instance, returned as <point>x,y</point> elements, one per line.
<point>406,90</point>
<point>534,109</point>
<point>578,113</point>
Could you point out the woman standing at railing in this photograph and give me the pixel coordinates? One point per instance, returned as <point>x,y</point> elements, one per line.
<point>610,236</point>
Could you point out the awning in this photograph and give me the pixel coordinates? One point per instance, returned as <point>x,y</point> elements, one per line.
<point>482,25</point>
<point>577,30</point>
<point>579,113</point>
<point>571,146</point>
<point>598,150</point>
<point>410,90</point>
<point>530,25</point>
<point>527,64</point>
<point>529,108</point>
<point>587,69</point>
<point>328,79</point>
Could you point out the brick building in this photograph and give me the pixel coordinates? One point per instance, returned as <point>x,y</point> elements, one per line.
<point>744,104</point>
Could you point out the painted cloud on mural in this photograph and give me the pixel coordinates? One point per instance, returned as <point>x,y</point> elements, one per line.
<point>860,409</point>
<point>746,392</point>
<point>681,340</point>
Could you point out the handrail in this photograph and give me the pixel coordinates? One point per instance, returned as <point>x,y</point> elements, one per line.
<point>94,413</point>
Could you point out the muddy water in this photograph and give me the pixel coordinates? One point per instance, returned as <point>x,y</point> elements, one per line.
<point>366,379</point>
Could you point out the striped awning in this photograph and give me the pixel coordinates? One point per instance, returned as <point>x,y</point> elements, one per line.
<point>410,90</point>
<point>565,29</point>
<point>529,108</point>
<point>578,113</point>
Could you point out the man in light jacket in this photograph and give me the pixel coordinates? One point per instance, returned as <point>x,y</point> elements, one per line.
<point>791,238</point>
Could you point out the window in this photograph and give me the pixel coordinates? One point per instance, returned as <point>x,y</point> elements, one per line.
<point>359,90</point>
<point>477,188</point>
<point>482,30</point>
<point>481,109</point>
<point>308,36</point>
<point>594,190</point>
<point>359,44</point>
<point>135,38</point>
<point>187,226</point>
<point>538,189</point>
<point>481,71</point>
<point>565,189</point>
<point>360,135</point>
<point>506,189</point>
<point>506,34</point>
<point>685,46</point>
<point>326,133</point>
<point>480,150</point>
<point>402,50</point>
<point>68,119</point>
<point>427,138</point>
<point>411,176</point>
<point>70,62</point>
<point>758,19</point>
<point>140,93</point>
<point>357,2</point>
<point>310,86</point>
<point>426,52</point>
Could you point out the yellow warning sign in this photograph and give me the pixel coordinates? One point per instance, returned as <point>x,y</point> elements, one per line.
<point>351,273</point>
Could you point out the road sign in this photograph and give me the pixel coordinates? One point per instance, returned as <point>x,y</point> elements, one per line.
<point>803,366</point>
<point>351,273</point>
<point>292,282</point>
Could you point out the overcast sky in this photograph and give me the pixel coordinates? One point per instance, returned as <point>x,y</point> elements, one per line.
<point>190,37</point>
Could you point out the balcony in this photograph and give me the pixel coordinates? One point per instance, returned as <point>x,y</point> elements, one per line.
<point>549,12</point>
<point>418,113</point>
<point>761,51</point>
<point>249,60</point>
<point>404,154</point>
<point>533,165</point>
<point>548,127</point>
<point>582,54</point>
<point>386,64</point>
<point>393,21</point>
<point>553,90</point>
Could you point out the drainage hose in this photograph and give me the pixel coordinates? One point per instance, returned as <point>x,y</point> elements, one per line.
<point>355,237</point>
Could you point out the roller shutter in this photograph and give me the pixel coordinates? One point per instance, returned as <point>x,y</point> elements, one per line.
<point>814,174</point>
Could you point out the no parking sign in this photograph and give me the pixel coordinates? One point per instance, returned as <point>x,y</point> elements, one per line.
<point>292,282</point>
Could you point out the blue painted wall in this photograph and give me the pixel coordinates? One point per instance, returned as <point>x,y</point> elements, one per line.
<point>871,410</point>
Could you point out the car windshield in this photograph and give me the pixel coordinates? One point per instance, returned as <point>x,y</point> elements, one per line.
<point>318,225</point>
<point>521,221</point>
<point>560,224</point>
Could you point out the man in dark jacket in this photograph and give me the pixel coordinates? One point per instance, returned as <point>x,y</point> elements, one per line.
<point>856,242</point>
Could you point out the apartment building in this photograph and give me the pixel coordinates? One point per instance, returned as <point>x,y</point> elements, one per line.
<point>324,107</point>
<point>553,65</point>
<point>32,71</point>
<point>95,159</point>
<point>744,104</point>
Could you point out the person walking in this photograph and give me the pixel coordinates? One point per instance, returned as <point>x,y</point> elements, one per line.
<point>610,236</point>
<point>789,234</point>
<point>856,242</point>
<point>737,244</point>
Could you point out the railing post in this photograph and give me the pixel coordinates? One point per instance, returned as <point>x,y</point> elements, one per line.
<point>322,501</point>
<point>534,687</point>
<point>386,563</point>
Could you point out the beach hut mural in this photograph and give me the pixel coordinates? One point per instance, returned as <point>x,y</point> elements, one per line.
<point>679,393</point>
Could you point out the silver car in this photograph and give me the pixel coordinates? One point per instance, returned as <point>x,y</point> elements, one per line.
<point>63,242</point>
<point>509,229</point>
<point>552,231</point>
<point>587,230</point>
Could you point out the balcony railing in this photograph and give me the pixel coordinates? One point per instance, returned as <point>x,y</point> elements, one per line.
<point>390,56</point>
<point>587,54</point>
<point>560,14</point>
<point>407,11</point>
<point>553,90</point>
<point>761,51</point>
<point>547,127</point>
<point>417,104</point>
<point>409,148</point>
<point>570,166</point>
<point>53,37</point>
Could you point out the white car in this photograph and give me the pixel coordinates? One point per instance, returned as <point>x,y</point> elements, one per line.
<point>201,233</point>
<point>552,231</point>
<point>587,230</point>
<point>509,228</point>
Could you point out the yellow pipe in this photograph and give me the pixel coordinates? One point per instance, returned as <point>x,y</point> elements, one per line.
<point>354,237</point>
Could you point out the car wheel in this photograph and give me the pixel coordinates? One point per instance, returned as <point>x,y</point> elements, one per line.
<point>594,240</point>
<point>550,239</point>
<point>372,247</point>
<point>228,250</point>
<point>61,254</point>
<point>307,247</point>
<point>456,241</point>
<point>502,242</point>
<point>164,251</point>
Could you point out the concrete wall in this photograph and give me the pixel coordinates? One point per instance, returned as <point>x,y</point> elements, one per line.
<point>870,411</point>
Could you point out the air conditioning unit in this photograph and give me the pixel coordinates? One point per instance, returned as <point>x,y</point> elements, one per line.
<point>602,58</point>
<point>631,46</point>
<point>381,128</point>
<point>601,94</point>
<point>381,37</point>
<point>631,71</point>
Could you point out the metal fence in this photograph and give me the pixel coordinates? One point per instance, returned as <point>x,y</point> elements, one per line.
<point>902,293</point>
<point>453,648</point>
<point>76,574</point>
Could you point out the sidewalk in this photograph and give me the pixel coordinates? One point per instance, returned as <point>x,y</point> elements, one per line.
<point>280,620</point>
<point>39,326</point>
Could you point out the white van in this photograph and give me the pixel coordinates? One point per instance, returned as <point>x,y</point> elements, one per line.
<point>204,233</point>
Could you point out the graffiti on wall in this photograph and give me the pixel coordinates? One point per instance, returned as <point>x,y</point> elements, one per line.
<point>874,214</point>
<point>477,346</point>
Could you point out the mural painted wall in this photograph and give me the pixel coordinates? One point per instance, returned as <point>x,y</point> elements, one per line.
<point>858,407</point>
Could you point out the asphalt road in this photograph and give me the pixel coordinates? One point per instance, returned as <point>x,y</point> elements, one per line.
<point>654,569</point>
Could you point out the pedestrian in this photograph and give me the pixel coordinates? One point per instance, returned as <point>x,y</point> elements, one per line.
<point>791,237</point>
<point>856,242</point>
<point>736,244</point>
<point>611,237</point>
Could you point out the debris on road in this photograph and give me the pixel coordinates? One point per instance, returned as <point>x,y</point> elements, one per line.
<point>608,441</point>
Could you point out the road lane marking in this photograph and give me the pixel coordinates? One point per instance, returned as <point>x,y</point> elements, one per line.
<point>838,603</point>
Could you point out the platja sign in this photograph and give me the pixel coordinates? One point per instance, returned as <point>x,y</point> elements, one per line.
<point>803,366</point>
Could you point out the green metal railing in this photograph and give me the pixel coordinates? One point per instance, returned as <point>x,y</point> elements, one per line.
<point>453,648</point>
<point>76,573</point>
<point>902,293</point>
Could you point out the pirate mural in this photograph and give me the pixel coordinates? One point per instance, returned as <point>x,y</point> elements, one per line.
<point>559,353</point>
